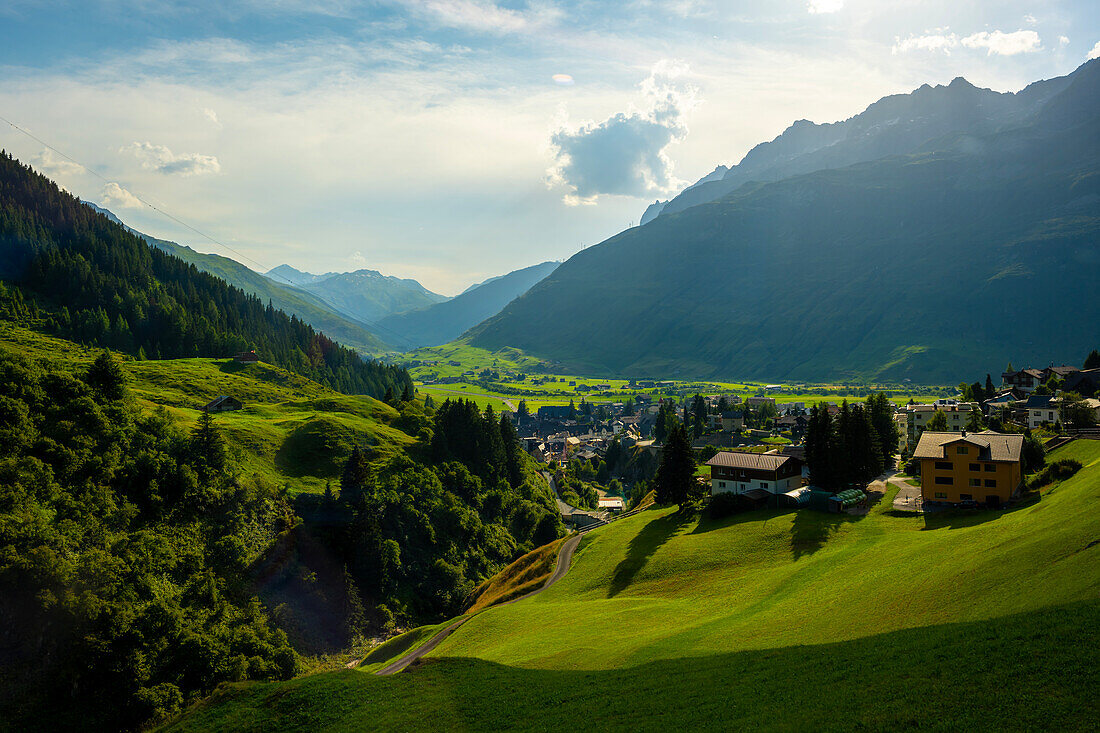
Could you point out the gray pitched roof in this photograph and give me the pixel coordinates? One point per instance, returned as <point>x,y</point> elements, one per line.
<point>755,461</point>
<point>992,446</point>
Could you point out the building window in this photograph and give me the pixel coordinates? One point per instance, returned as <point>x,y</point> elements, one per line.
<point>763,485</point>
<point>944,465</point>
<point>963,450</point>
<point>990,467</point>
<point>943,480</point>
<point>941,494</point>
<point>966,497</point>
<point>721,484</point>
<point>991,483</point>
<point>975,482</point>
<point>975,467</point>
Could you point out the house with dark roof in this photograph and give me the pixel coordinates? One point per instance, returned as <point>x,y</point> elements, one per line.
<point>737,472</point>
<point>983,467</point>
<point>1057,371</point>
<point>1085,382</point>
<point>247,357</point>
<point>222,404</point>
<point>1026,379</point>
<point>1043,409</point>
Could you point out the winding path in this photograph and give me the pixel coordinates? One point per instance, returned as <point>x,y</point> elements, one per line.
<point>565,556</point>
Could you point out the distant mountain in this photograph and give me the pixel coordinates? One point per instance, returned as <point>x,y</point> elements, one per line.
<point>365,295</point>
<point>654,210</point>
<point>443,322</point>
<point>896,125</point>
<point>287,274</point>
<point>292,300</point>
<point>980,246</point>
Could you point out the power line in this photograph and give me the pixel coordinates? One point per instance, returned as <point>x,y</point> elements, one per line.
<point>264,269</point>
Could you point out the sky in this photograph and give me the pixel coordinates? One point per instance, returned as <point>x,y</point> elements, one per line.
<point>455,140</point>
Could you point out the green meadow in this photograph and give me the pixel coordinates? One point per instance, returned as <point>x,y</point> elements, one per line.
<point>775,620</point>
<point>292,431</point>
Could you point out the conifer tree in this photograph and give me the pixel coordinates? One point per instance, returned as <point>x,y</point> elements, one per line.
<point>675,477</point>
<point>106,377</point>
<point>354,480</point>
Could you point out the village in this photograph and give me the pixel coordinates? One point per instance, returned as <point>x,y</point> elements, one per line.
<point>961,451</point>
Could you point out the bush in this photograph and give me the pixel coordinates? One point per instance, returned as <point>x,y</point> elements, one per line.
<point>727,504</point>
<point>1058,471</point>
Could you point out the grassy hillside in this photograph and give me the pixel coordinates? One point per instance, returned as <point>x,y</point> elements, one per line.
<point>985,620</point>
<point>292,431</point>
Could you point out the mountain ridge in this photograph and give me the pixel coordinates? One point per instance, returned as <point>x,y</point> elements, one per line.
<point>858,272</point>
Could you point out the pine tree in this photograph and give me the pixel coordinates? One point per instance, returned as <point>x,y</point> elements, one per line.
<point>675,477</point>
<point>208,447</point>
<point>1092,361</point>
<point>522,412</point>
<point>106,377</point>
<point>407,394</point>
<point>699,411</point>
<point>989,391</point>
<point>354,480</point>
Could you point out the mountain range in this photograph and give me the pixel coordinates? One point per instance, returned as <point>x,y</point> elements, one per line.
<point>446,321</point>
<point>365,295</point>
<point>939,233</point>
<point>286,297</point>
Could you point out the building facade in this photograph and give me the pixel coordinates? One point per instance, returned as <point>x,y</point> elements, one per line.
<point>984,467</point>
<point>736,472</point>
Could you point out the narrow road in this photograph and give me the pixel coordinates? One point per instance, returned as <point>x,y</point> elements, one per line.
<point>565,556</point>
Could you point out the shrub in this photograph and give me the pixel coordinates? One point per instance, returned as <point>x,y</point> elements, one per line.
<point>726,504</point>
<point>1057,471</point>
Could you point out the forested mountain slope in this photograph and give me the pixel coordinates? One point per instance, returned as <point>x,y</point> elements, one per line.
<point>446,321</point>
<point>101,284</point>
<point>981,249</point>
<point>281,293</point>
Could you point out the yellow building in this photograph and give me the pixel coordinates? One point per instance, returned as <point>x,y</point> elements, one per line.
<point>984,467</point>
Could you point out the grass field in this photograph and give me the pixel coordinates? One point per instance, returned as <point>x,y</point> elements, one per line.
<point>986,620</point>
<point>559,389</point>
<point>292,431</point>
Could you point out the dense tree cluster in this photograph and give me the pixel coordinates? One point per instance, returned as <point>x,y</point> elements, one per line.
<point>417,537</point>
<point>123,549</point>
<point>853,446</point>
<point>103,285</point>
<point>675,480</point>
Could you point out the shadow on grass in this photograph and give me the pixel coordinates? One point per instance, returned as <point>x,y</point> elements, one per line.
<point>960,518</point>
<point>811,530</point>
<point>644,544</point>
<point>814,687</point>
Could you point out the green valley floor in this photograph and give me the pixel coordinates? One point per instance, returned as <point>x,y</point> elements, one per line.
<point>987,620</point>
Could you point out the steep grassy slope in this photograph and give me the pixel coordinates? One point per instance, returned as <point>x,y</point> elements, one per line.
<point>292,431</point>
<point>446,321</point>
<point>986,620</point>
<point>921,267</point>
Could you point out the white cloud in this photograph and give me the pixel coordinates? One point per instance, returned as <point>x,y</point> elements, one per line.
<point>818,7</point>
<point>626,154</point>
<point>47,162</point>
<point>117,196</point>
<point>1063,40</point>
<point>930,42</point>
<point>1095,52</point>
<point>162,160</point>
<point>995,42</point>
<point>1004,44</point>
<point>212,116</point>
<point>483,16</point>
<point>1030,19</point>
<point>357,260</point>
